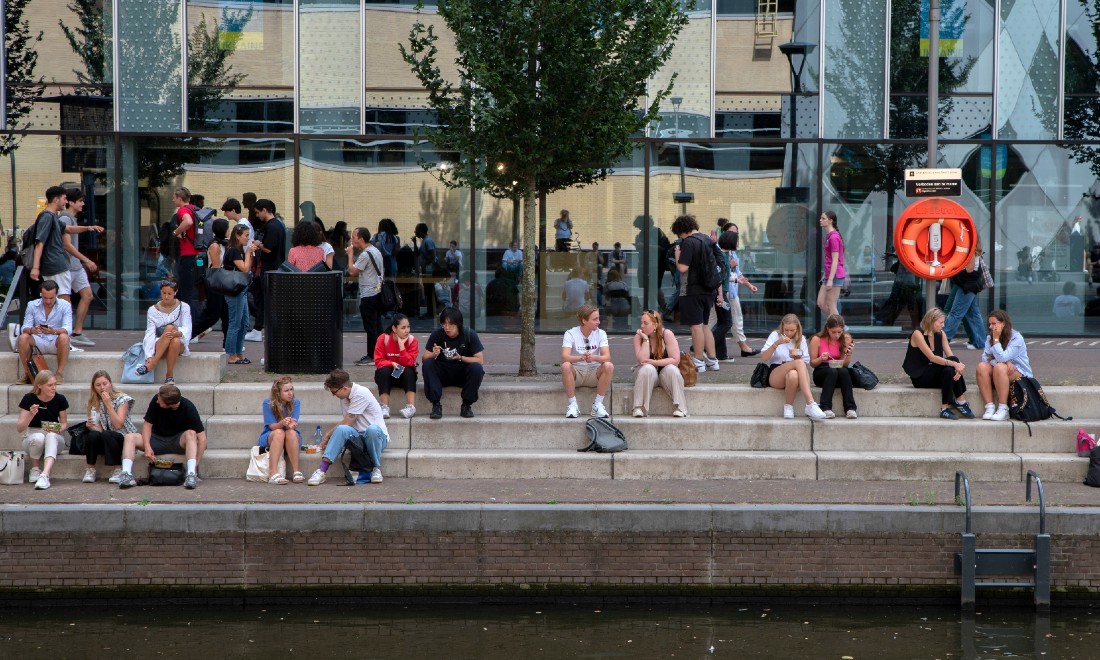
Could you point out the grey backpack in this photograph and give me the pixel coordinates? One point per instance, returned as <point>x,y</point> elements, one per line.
<point>603,436</point>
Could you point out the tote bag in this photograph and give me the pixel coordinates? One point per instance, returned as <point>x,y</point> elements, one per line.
<point>131,360</point>
<point>259,463</point>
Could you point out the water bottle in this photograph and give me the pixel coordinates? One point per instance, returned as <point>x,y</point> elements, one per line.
<point>318,438</point>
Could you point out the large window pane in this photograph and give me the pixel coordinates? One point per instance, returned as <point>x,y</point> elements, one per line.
<point>1027,77</point>
<point>688,111</point>
<point>855,69</point>
<point>1082,75</point>
<point>330,66</point>
<point>150,86</point>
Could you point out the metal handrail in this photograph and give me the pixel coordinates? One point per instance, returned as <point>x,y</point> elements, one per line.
<point>1042,499</point>
<point>962,476</point>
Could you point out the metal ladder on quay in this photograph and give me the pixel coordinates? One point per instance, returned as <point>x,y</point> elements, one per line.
<point>972,563</point>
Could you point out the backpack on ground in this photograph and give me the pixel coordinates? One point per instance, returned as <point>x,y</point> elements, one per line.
<point>1028,403</point>
<point>710,274</point>
<point>603,436</point>
<point>356,449</point>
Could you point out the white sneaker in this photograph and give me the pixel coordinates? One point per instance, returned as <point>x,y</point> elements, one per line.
<point>679,413</point>
<point>851,414</point>
<point>376,476</point>
<point>42,483</point>
<point>990,408</point>
<point>35,473</point>
<point>254,335</point>
<point>385,412</point>
<point>700,366</point>
<point>572,411</point>
<point>638,412</point>
<point>81,340</point>
<point>599,411</point>
<point>712,364</point>
<point>788,411</point>
<point>1001,414</point>
<point>13,336</point>
<point>829,414</point>
<point>408,411</point>
<point>814,411</point>
<point>973,347</point>
<point>89,476</point>
<point>75,349</point>
<point>317,478</point>
<point>114,478</point>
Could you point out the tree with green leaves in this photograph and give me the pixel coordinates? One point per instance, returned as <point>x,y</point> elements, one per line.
<point>549,94</point>
<point>21,58</point>
<point>1082,112</point>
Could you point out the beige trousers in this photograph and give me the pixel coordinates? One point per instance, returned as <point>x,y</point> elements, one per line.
<point>646,378</point>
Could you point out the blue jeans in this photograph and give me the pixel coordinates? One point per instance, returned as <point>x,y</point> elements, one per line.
<point>963,309</point>
<point>373,438</point>
<point>238,322</point>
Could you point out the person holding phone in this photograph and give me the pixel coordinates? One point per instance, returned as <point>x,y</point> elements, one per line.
<point>830,355</point>
<point>395,355</point>
<point>46,326</point>
<point>454,356</point>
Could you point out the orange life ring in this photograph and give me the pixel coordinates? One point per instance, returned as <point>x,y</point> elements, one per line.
<point>956,238</point>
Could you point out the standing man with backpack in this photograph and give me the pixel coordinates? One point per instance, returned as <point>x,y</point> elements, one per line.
<point>47,258</point>
<point>185,231</point>
<point>700,278</point>
<point>80,286</point>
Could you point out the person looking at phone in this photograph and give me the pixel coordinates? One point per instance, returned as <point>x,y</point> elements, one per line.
<point>46,326</point>
<point>453,355</point>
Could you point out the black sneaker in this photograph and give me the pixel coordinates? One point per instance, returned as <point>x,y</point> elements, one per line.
<point>364,361</point>
<point>437,411</point>
<point>467,411</point>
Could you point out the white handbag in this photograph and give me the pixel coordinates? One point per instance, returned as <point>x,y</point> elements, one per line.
<point>12,464</point>
<point>258,464</point>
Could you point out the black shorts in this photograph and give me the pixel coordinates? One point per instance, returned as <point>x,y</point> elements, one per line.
<point>166,444</point>
<point>695,308</point>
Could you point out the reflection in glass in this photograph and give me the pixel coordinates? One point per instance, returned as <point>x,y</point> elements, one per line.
<point>330,69</point>
<point>1027,74</point>
<point>855,62</point>
<point>687,113</point>
<point>150,87</point>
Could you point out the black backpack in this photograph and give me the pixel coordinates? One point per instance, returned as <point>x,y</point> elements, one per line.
<point>26,246</point>
<point>603,436</point>
<point>1092,477</point>
<point>360,459</point>
<point>710,275</point>
<point>204,233</point>
<point>1028,403</point>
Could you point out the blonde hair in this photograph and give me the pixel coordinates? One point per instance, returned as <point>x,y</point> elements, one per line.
<point>41,379</point>
<point>279,408</point>
<point>93,398</point>
<point>792,319</point>
<point>930,318</point>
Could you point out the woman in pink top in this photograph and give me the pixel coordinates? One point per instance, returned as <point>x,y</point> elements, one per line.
<point>307,251</point>
<point>830,356</point>
<point>833,279</point>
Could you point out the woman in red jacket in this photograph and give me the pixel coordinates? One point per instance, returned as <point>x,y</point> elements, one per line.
<point>395,364</point>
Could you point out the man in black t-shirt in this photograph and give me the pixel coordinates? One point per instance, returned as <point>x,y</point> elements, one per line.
<point>696,301</point>
<point>453,355</point>
<point>172,426</point>
<point>272,255</point>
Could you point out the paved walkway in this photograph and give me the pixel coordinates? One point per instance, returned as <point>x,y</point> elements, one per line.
<point>1057,362</point>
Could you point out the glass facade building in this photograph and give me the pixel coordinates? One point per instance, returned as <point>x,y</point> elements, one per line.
<point>308,103</point>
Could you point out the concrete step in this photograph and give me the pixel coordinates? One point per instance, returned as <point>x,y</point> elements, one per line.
<point>717,434</point>
<point>916,466</point>
<point>899,434</point>
<point>196,368</point>
<point>202,395</point>
<point>1067,468</point>
<point>243,431</point>
<point>657,465</point>
<point>512,464</point>
<point>1051,436</point>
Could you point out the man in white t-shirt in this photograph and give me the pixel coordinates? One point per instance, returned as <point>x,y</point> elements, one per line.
<point>575,292</point>
<point>512,262</point>
<point>586,361</point>
<point>234,213</point>
<point>362,417</point>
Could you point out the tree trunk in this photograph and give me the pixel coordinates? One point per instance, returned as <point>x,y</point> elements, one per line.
<point>527,364</point>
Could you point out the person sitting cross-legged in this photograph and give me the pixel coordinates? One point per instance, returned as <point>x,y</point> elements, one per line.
<point>362,416</point>
<point>586,361</point>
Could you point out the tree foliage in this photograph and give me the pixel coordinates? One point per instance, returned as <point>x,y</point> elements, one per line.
<point>21,58</point>
<point>549,94</point>
<point>1082,112</point>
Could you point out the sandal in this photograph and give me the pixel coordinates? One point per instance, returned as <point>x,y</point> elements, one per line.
<point>298,477</point>
<point>243,360</point>
<point>141,370</point>
<point>278,480</point>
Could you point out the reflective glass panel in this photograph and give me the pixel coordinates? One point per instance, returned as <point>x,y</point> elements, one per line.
<point>150,86</point>
<point>687,112</point>
<point>1082,75</point>
<point>1027,74</point>
<point>330,66</point>
<point>855,69</point>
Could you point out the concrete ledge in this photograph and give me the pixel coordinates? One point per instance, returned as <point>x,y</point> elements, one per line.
<point>206,368</point>
<point>1052,436</point>
<point>505,433</point>
<point>202,395</point>
<point>717,433</point>
<point>655,465</point>
<point>515,464</point>
<point>1052,468</point>
<point>243,431</point>
<point>916,466</point>
<point>886,434</point>
<point>442,518</point>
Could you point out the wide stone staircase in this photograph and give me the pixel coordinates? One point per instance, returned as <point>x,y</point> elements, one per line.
<point>733,431</point>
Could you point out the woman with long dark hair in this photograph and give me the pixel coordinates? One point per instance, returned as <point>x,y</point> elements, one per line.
<point>1004,360</point>
<point>929,363</point>
<point>830,355</point>
<point>832,280</point>
<point>238,257</point>
<point>658,357</point>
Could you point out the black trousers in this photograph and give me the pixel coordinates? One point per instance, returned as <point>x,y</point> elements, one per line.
<point>214,310</point>
<point>941,376</point>
<point>384,379</point>
<point>722,325</point>
<point>107,443</point>
<point>442,373</point>
<point>372,320</point>
<point>185,275</point>
<point>827,378</point>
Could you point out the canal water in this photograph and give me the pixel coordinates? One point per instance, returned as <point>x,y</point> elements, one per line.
<point>531,632</point>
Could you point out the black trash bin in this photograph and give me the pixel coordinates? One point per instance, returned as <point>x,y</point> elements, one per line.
<point>303,322</point>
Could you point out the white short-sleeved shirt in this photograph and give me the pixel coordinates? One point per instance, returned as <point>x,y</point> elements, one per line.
<point>366,409</point>
<point>783,351</point>
<point>581,344</point>
<point>369,263</point>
